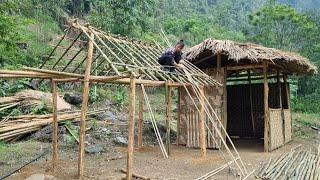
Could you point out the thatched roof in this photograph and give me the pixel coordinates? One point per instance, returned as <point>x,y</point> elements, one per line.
<point>251,53</point>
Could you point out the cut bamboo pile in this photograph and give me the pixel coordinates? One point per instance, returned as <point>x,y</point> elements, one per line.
<point>15,127</point>
<point>31,98</point>
<point>303,164</point>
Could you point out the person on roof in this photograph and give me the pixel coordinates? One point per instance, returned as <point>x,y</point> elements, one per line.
<point>171,58</point>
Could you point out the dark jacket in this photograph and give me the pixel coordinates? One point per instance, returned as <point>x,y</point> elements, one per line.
<point>169,56</point>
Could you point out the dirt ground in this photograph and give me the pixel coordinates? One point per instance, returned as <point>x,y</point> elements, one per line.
<point>183,163</point>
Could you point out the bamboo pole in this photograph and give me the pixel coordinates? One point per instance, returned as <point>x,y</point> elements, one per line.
<point>54,49</point>
<point>168,116</point>
<point>280,89</point>
<point>131,127</point>
<point>195,89</point>
<point>201,126</point>
<point>140,123</point>
<point>54,125</point>
<point>84,107</point>
<point>179,116</point>
<point>225,103</point>
<point>251,104</point>
<point>266,107</point>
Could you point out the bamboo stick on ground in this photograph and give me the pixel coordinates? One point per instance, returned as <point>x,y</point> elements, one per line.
<point>136,175</point>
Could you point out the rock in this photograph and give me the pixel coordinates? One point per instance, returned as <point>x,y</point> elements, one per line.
<point>74,99</point>
<point>108,115</point>
<point>121,140</point>
<point>40,177</point>
<point>45,134</point>
<point>106,131</point>
<point>88,138</point>
<point>93,149</point>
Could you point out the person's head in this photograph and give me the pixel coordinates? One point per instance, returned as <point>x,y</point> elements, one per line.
<point>179,46</point>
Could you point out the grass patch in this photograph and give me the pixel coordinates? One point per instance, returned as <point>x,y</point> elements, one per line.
<point>307,119</point>
<point>302,123</point>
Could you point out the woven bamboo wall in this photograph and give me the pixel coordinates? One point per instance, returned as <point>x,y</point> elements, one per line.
<point>276,128</point>
<point>189,122</point>
<point>287,125</point>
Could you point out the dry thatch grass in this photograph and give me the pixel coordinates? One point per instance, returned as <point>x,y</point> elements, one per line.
<point>251,53</point>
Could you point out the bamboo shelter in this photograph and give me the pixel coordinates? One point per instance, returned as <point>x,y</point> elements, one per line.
<point>88,55</point>
<point>254,99</point>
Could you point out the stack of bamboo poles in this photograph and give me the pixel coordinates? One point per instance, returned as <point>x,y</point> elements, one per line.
<point>303,164</point>
<point>11,102</point>
<point>15,127</point>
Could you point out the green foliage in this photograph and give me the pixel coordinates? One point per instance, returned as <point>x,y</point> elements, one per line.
<point>122,16</point>
<point>120,96</point>
<point>2,146</point>
<point>94,125</point>
<point>282,27</point>
<point>8,88</point>
<point>40,109</point>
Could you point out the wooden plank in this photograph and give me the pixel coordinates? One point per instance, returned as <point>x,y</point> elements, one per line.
<point>266,107</point>
<point>54,125</point>
<point>131,128</point>
<point>202,130</point>
<point>84,108</point>
<point>140,122</point>
<point>168,116</point>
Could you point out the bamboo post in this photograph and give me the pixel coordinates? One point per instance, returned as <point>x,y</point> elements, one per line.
<point>201,126</point>
<point>251,105</point>
<point>131,127</point>
<point>179,116</point>
<point>168,116</point>
<point>287,91</point>
<point>218,63</point>
<point>84,107</point>
<point>54,125</point>
<point>225,101</point>
<point>280,89</point>
<point>140,122</point>
<point>286,85</point>
<point>266,107</point>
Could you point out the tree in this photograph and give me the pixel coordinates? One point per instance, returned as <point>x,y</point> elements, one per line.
<point>281,27</point>
<point>125,17</point>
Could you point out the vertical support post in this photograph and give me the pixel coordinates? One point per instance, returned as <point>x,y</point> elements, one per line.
<point>84,108</point>
<point>218,63</point>
<point>179,116</point>
<point>168,116</point>
<point>54,125</point>
<point>140,122</point>
<point>266,107</point>
<point>202,130</point>
<point>225,101</point>
<point>280,89</point>
<point>131,127</point>
<point>286,85</point>
<point>251,104</point>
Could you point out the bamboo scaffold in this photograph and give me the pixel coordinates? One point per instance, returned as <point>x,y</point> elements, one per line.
<point>121,60</point>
